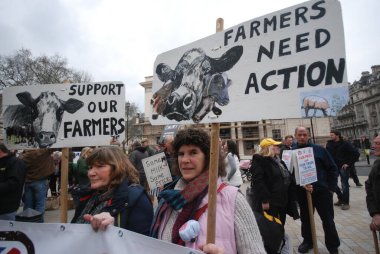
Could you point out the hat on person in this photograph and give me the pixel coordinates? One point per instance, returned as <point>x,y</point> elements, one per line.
<point>269,142</point>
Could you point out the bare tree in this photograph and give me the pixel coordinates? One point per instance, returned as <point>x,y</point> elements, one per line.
<point>22,69</point>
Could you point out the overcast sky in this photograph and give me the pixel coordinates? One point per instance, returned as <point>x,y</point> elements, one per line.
<point>120,39</point>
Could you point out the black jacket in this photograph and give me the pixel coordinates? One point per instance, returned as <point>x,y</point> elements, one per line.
<point>372,187</point>
<point>12,178</point>
<point>129,205</point>
<point>342,152</point>
<point>268,183</point>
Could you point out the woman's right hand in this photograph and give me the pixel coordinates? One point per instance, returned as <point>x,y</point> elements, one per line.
<point>99,221</point>
<point>211,248</point>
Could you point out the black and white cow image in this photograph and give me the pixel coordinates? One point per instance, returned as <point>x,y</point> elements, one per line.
<point>315,102</point>
<point>43,115</point>
<point>191,90</point>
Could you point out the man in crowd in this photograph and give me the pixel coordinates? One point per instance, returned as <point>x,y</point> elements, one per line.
<point>286,144</point>
<point>149,150</point>
<point>40,165</point>
<point>366,146</point>
<point>136,156</point>
<point>372,187</point>
<point>12,177</point>
<point>345,156</point>
<point>322,195</point>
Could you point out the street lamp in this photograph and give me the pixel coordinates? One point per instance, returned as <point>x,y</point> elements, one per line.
<point>127,106</point>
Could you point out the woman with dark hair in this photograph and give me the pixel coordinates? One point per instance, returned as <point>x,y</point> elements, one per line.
<point>232,164</point>
<point>115,196</point>
<point>185,201</point>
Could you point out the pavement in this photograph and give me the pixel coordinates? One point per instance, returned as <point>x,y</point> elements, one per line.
<point>352,225</point>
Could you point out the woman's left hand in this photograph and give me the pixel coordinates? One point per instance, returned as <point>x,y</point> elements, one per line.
<point>211,248</point>
<point>99,221</point>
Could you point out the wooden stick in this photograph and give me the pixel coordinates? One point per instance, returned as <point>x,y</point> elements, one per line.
<point>213,182</point>
<point>375,242</point>
<point>64,180</point>
<point>312,223</point>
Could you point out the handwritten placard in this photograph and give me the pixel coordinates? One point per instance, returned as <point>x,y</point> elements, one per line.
<point>306,166</point>
<point>157,170</point>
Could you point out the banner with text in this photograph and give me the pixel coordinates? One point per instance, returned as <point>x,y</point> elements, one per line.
<point>290,63</point>
<point>30,238</point>
<point>157,170</point>
<point>63,115</point>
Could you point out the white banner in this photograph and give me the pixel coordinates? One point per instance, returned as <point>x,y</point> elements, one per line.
<point>30,238</point>
<point>290,63</point>
<point>157,170</point>
<point>63,115</point>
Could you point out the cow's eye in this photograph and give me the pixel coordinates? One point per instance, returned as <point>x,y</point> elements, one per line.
<point>187,101</point>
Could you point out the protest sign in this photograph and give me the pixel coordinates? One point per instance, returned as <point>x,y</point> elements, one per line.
<point>157,170</point>
<point>304,166</point>
<point>297,52</point>
<point>287,158</point>
<point>63,115</point>
<point>30,238</point>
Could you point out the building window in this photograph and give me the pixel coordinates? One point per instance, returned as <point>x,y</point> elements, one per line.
<point>249,146</point>
<point>276,134</point>
<point>225,133</point>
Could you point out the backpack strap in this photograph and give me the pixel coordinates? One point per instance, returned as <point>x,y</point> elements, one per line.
<point>201,210</point>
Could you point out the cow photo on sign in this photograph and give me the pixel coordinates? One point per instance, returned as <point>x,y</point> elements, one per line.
<point>197,83</point>
<point>36,121</point>
<point>63,115</point>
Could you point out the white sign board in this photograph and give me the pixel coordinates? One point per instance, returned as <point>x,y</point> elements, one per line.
<point>63,115</point>
<point>293,59</point>
<point>306,170</point>
<point>157,170</point>
<point>287,158</point>
<point>25,238</point>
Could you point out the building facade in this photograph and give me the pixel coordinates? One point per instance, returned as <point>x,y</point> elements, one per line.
<point>361,116</point>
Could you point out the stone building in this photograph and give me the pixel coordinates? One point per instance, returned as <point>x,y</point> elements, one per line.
<point>361,116</point>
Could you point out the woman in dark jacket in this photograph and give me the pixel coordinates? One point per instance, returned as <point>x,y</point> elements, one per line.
<point>270,180</point>
<point>114,191</point>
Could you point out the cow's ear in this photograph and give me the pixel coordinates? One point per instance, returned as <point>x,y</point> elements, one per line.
<point>26,99</point>
<point>227,60</point>
<point>72,105</point>
<point>164,72</point>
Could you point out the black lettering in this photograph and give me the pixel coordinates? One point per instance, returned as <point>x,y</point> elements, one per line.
<point>113,125</point>
<point>89,89</point>
<point>104,90</point>
<point>121,124</point>
<point>252,82</point>
<point>103,109</point>
<point>300,14</point>
<point>95,124</point>
<point>321,68</point>
<point>111,89</point>
<point>106,126</point>
<point>254,26</point>
<point>300,38</point>
<point>263,50</point>
<point>321,10</point>
<point>283,46</point>
<point>301,76</point>
<point>119,86</point>
<point>286,72</point>
<point>240,33</point>
<point>97,88</point>
<point>333,72</point>
<point>269,22</point>
<point>86,127</point>
<point>113,104</point>
<point>77,129</point>
<point>264,81</point>
<point>227,36</point>
<point>91,107</point>
<point>72,89</point>
<point>285,17</point>
<point>318,35</point>
<point>67,128</point>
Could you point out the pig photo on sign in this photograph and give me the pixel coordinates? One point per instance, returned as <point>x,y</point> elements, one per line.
<point>37,121</point>
<point>190,91</point>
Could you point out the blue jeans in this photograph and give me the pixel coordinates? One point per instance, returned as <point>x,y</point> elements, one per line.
<point>344,194</point>
<point>35,195</point>
<point>8,216</point>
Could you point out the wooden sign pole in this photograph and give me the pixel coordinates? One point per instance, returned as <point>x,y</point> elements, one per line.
<point>213,169</point>
<point>64,180</point>
<point>375,242</point>
<point>312,223</point>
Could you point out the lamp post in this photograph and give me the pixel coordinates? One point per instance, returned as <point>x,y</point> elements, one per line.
<point>127,106</point>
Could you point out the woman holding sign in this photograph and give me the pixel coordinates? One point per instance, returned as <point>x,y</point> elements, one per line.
<point>115,196</point>
<point>181,216</point>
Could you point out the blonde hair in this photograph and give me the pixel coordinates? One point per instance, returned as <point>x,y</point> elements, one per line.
<point>85,152</point>
<point>267,151</point>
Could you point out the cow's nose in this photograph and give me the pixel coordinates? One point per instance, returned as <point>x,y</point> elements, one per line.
<point>172,99</point>
<point>46,138</point>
